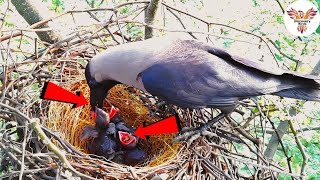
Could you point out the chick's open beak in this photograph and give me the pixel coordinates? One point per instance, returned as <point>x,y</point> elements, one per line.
<point>102,118</point>
<point>93,115</point>
<point>127,140</point>
<point>113,112</point>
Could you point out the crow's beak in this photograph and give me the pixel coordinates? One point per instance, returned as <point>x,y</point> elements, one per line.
<point>97,95</point>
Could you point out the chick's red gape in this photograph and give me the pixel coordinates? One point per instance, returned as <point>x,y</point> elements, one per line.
<point>113,112</point>
<point>93,116</point>
<point>112,139</point>
<point>126,138</point>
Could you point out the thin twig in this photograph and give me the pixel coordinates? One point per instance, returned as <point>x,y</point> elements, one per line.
<point>29,171</point>
<point>33,26</point>
<point>23,151</point>
<point>282,9</point>
<point>260,166</point>
<point>180,30</point>
<point>182,24</point>
<point>303,152</point>
<point>37,128</point>
<point>224,25</point>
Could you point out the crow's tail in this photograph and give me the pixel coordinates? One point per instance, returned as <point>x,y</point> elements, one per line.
<point>309,94</point>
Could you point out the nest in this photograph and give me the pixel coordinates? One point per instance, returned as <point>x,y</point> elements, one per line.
<point>71,122</point>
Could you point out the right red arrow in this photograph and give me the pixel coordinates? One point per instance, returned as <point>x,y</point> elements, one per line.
<point>165,126</point>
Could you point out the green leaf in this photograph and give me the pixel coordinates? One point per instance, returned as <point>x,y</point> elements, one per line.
<point>255,110</point>
<point>280,19</point>
<point>277,42</point>
<point>25,41</point>
<point>318,30</point>
<point>245,169</point>
<point>255,4</point>
<point>290,42</point>
<point>227,44</point>
<point>8,24</point>
<point>124,10</point>
<point>83,62</point>
<point>279,57</point>
<point>57,5</point>
<point>52,8</point>
<point>318,1</point>
<point>292,66</point>
<point>15,75</point>
<point>35,87</point>
<point>56,2</point>
<point>305,39</point>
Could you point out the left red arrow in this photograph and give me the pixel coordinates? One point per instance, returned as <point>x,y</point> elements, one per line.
<point>54,92</point>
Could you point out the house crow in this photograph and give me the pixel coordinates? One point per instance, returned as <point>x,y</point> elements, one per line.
<point>192,74</point>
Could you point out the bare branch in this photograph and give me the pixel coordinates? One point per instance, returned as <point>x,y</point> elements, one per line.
<point>303,152</point>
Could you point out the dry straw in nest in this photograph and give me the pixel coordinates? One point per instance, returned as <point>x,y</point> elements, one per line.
<point>71,122</point>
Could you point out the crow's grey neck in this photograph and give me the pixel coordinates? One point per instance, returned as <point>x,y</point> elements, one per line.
<point>123,63</point>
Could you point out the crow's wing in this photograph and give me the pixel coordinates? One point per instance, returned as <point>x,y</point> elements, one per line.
<point>201,76</point>
<point>185,85</point>
<point>259,66</point>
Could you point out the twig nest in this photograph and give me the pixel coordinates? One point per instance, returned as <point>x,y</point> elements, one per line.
<point>71,122</point>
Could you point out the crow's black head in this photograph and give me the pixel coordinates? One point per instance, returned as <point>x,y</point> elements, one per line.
<point>98,90</point>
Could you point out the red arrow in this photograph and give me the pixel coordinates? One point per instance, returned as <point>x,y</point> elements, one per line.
<point>164,126</point>
<point>54,92</point>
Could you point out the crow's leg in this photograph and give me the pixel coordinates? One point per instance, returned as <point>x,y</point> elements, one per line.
<point>194,133</point>
<point>157,105</point>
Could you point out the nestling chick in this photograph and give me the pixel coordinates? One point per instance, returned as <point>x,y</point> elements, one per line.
<point>102,121</point>
<point>103,143</point>
<point>113,139</point>
<point>130,157</point>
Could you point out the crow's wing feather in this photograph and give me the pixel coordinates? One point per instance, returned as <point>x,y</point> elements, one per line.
<point>187,86</point>
<point>259,66</point>
<point>197,75</point>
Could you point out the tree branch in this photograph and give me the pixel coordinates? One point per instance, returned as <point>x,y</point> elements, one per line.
<point>303,152</point>
<point>34,124</point>
<point>28,10</point>
<point>150,17</point>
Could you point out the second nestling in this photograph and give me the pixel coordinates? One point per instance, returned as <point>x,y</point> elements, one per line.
<point>112,139</point>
